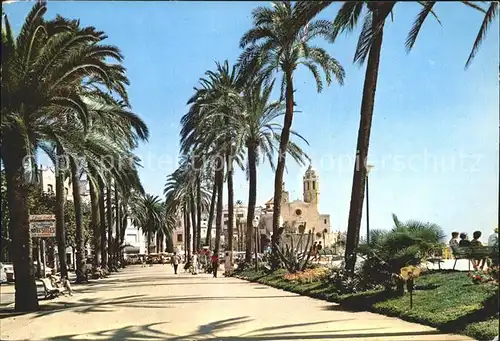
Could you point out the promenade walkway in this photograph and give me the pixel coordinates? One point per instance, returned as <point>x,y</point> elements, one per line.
<point>153,304</point>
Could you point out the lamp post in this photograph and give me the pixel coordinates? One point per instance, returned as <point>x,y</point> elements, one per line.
<point>255,224</point>
<point>368,169</point>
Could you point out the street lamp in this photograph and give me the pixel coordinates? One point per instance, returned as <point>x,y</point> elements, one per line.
<point>368,169</point>
<point>255,224</point>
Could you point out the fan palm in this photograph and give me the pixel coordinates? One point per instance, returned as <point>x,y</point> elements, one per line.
<point>407,243</point>
<point>277,44</point>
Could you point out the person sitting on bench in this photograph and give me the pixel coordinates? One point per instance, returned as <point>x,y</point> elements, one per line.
<point>477,262</point>
<point>464,240</point>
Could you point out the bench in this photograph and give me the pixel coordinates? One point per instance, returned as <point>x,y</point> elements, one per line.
<point>50,291</point>
<point>473,252</point>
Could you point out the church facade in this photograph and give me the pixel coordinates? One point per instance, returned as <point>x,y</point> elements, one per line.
<point>301,215</point>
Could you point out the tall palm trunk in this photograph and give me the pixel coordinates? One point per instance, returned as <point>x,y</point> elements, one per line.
<point>80,243</point>
<point>188,234</point>
<point>149,236</point>
<point>198,212</point>
<point>359,177</point>
<point>219,180</point>
<point>230,205</point>
<point>208,240</point>
<point>184,216</point>
<point>280,168</point>
<point>109,216</point>
<point>193,219</point>
<point>13,152</point>
<point>102,218</point>
<point>117,227</point>
<point>252,200</point>
<point>94,222</point>
<point>123,229</point>
<point>59,211</point>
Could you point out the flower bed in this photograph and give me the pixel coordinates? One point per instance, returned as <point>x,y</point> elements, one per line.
<point>308,275</point>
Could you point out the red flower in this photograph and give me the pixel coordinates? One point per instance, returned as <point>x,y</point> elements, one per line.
<point>477,277</point>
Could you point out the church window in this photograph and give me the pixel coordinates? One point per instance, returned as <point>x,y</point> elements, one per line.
<point>298,211</point>
<point>325,221</point>
<point>314,184</point>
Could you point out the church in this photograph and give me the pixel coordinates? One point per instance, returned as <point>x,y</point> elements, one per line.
<point>300,215</point>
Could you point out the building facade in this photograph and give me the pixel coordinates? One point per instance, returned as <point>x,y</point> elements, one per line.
<point>299,216</point>
<point>47,182</point>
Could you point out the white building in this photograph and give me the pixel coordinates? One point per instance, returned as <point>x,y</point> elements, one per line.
<point>135,241</point>
<point>47,181</point>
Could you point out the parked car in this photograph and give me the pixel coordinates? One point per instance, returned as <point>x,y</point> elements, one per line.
<point>3,275</point>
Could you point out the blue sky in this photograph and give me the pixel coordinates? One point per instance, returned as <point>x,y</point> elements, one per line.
<point>434,140</point>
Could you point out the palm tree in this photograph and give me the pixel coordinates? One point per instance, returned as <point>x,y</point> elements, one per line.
<point>205,133</point>
<point>261,135</point>
<point>151,217</point>
<point>489,16</point>
<point>41,72</point>
<point>368,48</point>
<point>277,44</point>
<point>213,198</point>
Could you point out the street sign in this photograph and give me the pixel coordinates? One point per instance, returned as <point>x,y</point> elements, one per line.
<point>43,226</point>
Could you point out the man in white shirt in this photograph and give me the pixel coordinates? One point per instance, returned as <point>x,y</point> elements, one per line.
<point>493,239</point>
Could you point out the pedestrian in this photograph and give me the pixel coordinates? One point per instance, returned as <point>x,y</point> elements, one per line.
<point>175,262</point>
<point>215,263</point>
<point>314,250</point>
<point>227,264</point>
<point>195,263</point>
<point>318,250</point>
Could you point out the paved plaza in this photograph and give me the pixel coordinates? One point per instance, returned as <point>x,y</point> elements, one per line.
<point>153,304</point>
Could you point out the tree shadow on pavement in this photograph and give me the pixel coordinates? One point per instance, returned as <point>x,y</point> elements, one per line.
<point>208,332</point>
<point>132,333</point>
<point>98,287</point>
<point>91,305</point>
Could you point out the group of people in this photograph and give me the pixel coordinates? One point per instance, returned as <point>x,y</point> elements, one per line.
<point>204,259</point>
<point>465,242</point>
<point>315,251</point>
<point>62,283</point>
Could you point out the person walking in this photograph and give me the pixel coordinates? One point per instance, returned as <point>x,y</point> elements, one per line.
<point>319,247</point>
<point>314,251</point>
<point>175,262</point>
<point>227,264</point>
<point>215,264</point>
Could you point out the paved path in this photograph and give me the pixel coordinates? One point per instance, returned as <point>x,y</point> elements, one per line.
<point>153,304</point>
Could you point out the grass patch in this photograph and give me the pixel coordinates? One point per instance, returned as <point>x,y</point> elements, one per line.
<point>446,300</point>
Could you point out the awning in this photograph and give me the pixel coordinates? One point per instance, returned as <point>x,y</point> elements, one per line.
<point>131,249</point>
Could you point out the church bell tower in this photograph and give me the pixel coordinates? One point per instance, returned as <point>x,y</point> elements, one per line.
<point>311,186</point>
